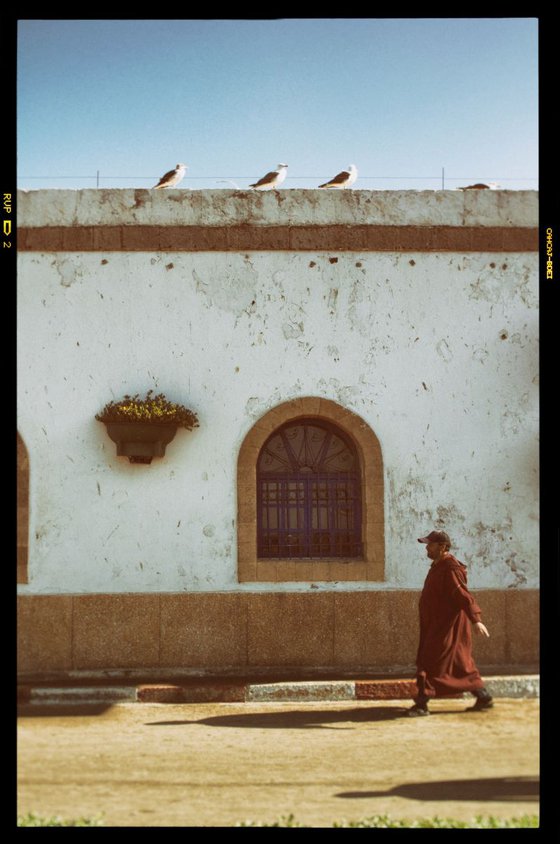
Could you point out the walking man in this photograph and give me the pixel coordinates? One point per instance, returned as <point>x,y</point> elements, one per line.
<point>444,664</point>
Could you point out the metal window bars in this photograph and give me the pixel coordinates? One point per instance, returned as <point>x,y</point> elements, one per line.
<point>308,494</point>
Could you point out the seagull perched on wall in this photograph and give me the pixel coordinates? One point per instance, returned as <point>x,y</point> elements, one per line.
<point>481,186</point>
<point>344,179</point>
<point>272,180</point>
<point>172,178</point>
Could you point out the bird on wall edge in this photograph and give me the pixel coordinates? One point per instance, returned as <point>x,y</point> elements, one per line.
<point>481,186</point>
<point>271,180</point>
<point>172,178</point>
<point>344,179</point>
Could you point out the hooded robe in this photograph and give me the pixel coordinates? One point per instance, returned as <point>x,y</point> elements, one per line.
<point>444,661</point>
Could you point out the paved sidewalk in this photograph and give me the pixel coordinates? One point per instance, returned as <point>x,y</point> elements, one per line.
<point>239,691</point>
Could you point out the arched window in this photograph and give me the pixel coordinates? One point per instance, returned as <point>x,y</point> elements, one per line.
<point>22,510</point>
<point>308,493</point>
<point>310,501</point>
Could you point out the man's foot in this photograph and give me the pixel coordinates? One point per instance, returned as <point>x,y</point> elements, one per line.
<point>417,711</point>
<point>481,704</point>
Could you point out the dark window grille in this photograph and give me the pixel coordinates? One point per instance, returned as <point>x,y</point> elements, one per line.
<point>309,493</point>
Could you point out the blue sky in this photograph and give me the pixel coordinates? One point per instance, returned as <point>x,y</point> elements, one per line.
<point>399,98</point>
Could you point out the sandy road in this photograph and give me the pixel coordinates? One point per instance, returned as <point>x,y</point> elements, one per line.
<point>217,764</point>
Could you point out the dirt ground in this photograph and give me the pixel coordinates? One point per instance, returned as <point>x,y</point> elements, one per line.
<point>218,764</point>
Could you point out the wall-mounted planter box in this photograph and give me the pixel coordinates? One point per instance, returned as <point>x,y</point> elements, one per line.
<point>141,428</point>
<point>140,441</point>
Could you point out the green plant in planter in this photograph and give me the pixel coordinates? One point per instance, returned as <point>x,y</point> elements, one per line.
<point>156,409</point>
<point>142,428</point>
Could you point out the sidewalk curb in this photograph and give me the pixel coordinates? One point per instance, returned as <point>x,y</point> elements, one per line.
<point>526,686</point>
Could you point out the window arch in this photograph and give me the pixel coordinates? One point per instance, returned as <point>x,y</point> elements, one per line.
<point>310,496</point>
<point>22,510</point>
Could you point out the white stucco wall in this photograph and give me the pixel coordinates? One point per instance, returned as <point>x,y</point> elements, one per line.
<point>436,352</point>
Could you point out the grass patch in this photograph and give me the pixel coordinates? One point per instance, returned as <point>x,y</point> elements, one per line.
<point>386,822</point>
<point>373,822</point>
<point>31,819</point>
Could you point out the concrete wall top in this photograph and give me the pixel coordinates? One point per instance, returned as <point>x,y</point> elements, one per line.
<point>134,207</point>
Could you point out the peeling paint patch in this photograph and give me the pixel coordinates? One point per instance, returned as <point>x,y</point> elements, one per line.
<point>334,353</point>
<point>333,296</point>
<point>527,292</point>
<point>480,355</point>
<point>68,272</point>
<point>292,331</point>
<point>140,197</point>
<point>449,515</point>
<point>511,423</point>
<point>233,292</point>
<point>517,570</point>
<point>444,351</point>
<point>492,539</point>
<point>409,497</point>
<point>343,394</point>
<point>252,406</point>
<point>488,287</point>
<point>201,286</point>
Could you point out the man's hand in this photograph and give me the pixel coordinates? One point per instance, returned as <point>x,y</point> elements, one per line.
<point>481,628</point>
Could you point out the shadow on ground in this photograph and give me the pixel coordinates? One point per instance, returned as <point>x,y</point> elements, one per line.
<point>297,718</point>
<point>52,710</point>
<point>525,789</point>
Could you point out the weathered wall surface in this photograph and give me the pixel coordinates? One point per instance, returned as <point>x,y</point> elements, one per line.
<point>436,352</point>
<point>70,208</point>
<point>415,310</point>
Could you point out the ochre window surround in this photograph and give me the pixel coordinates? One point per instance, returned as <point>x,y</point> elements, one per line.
<point>22,510</point>
<point>370,565</point>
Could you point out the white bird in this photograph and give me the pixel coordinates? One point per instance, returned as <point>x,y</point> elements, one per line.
<point>172,178</point>
<point>344,179</point>
<point>272,179</point>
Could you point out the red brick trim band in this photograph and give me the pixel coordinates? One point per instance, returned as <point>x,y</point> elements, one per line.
<point>336,238</point>
<point>239,693</point>
<point>191,693</point>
